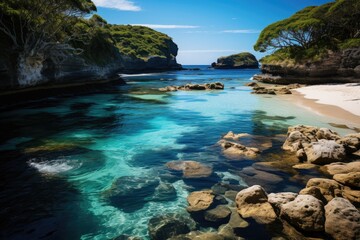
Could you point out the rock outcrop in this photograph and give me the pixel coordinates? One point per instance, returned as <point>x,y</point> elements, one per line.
<point>190,169</point>
<point>236,61</point>
<point>190,87</point>
<point>200,201</point>
<point>337,67</point>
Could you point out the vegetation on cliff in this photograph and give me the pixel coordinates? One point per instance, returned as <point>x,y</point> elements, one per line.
<point>240,60</point>
<point>311,32</point>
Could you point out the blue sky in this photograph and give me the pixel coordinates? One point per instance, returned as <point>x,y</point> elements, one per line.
<point>204,29</point>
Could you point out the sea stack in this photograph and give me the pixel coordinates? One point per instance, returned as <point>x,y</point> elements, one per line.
<point>236,61</point>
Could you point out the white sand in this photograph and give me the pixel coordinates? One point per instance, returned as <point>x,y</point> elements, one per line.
<point>345,96</point>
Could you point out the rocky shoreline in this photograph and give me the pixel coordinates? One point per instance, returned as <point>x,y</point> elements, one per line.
<point>325,209</point>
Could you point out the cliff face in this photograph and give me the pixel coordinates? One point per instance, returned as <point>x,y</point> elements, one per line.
<point>236,61</point>
<point>23,72</point>
<point>337,67</point>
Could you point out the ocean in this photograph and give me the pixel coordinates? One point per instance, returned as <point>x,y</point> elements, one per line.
<point>89,166</point>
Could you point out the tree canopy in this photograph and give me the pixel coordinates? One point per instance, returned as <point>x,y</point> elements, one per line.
<point>315,27</point>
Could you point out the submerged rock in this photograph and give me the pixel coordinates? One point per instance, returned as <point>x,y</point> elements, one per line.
<point>167,226</point>
<point>342,220</point>
<point>305,213</point>
<point>220,214</point>
<point>200,201</point>
<point>190,169</point>
<point>164,192</point>
<point>341,168</point>
<point>253,202</point>
<point>130,192</point>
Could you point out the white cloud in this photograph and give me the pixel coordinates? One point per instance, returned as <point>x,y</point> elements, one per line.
<point>241,31</point>
<point>207,51</point>
<point>160,26</point>
<point>124,5</point>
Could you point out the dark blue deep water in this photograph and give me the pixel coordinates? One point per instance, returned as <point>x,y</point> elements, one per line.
<point>62,158</point>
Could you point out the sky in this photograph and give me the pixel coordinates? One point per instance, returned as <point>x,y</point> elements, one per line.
<point>204,29</point>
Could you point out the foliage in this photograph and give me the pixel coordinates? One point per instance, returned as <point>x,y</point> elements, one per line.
<point>142,42</point>
<point>310,32</point>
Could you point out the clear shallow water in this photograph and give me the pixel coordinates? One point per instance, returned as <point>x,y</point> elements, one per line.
<point>61,155</point>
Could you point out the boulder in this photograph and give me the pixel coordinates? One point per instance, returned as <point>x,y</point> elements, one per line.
<point>190,169</point>
<point>278,199</point>
<point>351,142</point>
<point>294,141</point>
<point>237,222</point>
<point>164,227</point>
<point>196,87</point>
<point>220,214</point>
<point>325,152</point>
<point>236,151</point>
<point>327,134</point>
<point>352,195</point>
<point>341,168</point>
<point>349,179</point>
<point>306,213</point>
<point>315,192</point>
<point>342,220</point>
<point>200,201</point>
<point>232,136</point>
<point>329,188</point>
<point>252,202</point>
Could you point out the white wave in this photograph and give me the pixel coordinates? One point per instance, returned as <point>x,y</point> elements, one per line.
<point>139,75</point>
<point>54,166</point>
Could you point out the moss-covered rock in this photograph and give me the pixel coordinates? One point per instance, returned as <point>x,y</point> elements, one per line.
<point>236,61</point>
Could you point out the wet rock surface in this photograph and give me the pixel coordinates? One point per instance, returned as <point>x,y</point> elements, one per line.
<point>194,87</point>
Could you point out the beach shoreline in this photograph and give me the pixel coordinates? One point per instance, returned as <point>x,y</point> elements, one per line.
<point>340,101</point>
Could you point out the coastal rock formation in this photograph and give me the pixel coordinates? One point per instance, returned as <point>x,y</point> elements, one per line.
<point>236,151</point>
<point>278,199</point>
<point>342,220</point>
<point>253,202</point>
<point>305,213</point>
<point>351,180</point>
<point>319,145</point>
<point>341,168</point>
<point>329,188</point>
<point>190,169</point>
<point>236,61</point>
<point>337,67</point>
<point>189,87</point>
<point>200,201</point>
<point>272,90</point>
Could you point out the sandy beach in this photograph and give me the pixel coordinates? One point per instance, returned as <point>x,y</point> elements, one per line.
<point>340,101</point>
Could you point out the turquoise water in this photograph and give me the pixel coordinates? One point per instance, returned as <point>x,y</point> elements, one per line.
<point>61,155</point>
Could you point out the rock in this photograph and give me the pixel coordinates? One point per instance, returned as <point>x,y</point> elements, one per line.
<point>351,142</point>
<point>200,200</point>
<point>340,168</point>
<point>327,134</point>
<point>126,237</point>
<point>196,87</point>
<point>190,169</point>
<point>352,195</point>
<point>329,188</point>
<point>301,155</point>
<point>231,195</point>
<point>220,214</point>
<point>253,176</point>
<point>349,179</point>
<point>236,151</point>
<point>196,235</point>
<point>325,152</point>
<point>130,192</point>
<point>278,199</point>
<point>164,192</point>
<point>252,202</point>
<point>342,220</point>
<point>232,136</point>
<point>236,221</point>
<point>304,166</point>
<point>252,84</point>
<point>236,61</point>
<point>294,141</point>
<point>227,231</point>
<point>305,213</point>
<point>164,227</point>
<point>315,192</point>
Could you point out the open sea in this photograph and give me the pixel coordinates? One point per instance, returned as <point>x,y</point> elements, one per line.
<point>63,157</point>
